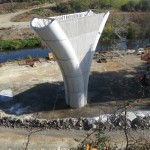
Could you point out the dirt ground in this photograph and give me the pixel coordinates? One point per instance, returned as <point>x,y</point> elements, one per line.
<point>16,139</point>
<point>35,88</point>
<point>42,140</point>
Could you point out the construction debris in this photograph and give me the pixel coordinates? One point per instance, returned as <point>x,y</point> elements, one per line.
<point>105,56</point>
<point>30,62</point>
<point>51,56</point>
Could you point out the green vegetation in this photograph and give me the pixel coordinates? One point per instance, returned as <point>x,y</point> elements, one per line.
<point>28,57</point>
<point>133,31</point>
<point>143,5</point>
<point>19,44</point>
<point>114,3</point>
<point>107,34</point>
<point>132,27</point>
<point>34,1</point>
<point>78,5</point>
<point>82,5</point>
<point>45,12</point>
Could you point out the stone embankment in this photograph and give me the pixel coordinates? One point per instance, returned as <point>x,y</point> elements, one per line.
<point>109,122</point>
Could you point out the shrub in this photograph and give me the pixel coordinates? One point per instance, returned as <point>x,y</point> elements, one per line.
<point>74,6</point>
<point>35,3</point>
<point>18,44</point>
<point>28,57</point>
<point>142,5</point>
<point>107,33</point>
<point>130,6</point>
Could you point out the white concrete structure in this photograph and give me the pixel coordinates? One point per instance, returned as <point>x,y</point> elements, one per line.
<point>73,39</point>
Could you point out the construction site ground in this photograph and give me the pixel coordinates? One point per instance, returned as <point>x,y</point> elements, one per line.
<point>40,90</point>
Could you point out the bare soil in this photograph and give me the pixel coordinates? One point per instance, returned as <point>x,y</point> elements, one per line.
<point>41,89</point>
<point>17,33</point>
<point>16,139</point>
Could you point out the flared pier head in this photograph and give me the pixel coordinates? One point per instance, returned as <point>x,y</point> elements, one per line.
<point>72,39</point>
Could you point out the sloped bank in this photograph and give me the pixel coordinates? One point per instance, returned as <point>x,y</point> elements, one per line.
<point>109,122</point>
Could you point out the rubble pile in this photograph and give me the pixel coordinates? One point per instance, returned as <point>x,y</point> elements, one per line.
<point>107,122</point>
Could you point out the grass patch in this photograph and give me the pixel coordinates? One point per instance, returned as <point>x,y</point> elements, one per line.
<point>19,44</point>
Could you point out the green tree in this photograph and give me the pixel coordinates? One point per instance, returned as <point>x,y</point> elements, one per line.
<point>107,33</point>
<point>79,5</point>
<point>130,6</point>
<point>131,32</point>
<point>145,5</point>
